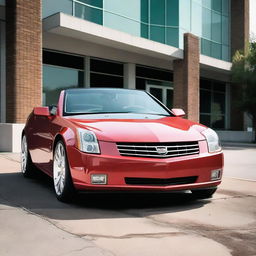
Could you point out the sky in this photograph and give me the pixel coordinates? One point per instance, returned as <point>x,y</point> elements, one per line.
<point>253,18</point>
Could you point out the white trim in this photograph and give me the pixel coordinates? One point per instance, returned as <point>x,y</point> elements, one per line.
<point>215,63</point>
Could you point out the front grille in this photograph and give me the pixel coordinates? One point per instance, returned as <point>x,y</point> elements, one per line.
<point>160,182</point>
<point>158,150</point>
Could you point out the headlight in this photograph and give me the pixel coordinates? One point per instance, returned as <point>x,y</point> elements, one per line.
<point>212,140</point>
<point>87,141</point>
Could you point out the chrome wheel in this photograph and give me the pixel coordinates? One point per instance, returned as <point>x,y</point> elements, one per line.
<point>24,154</point>
<point>59,168</point>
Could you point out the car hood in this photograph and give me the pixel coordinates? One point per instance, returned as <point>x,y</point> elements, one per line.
<point>139,128</point>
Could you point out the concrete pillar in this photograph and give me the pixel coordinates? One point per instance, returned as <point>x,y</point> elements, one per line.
<point>186,79</point>
<point>87,74</point>
<point>130,76</point>
<point>239,41</point>
<point>23,58</point>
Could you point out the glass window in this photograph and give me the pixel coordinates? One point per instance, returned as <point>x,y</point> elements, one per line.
<point>172,37</point>
<point>169,99</point>
<point>207,21</point>
<point>157,12</point>
<point>144,18</point>
<point>216,50</point>
<point>218,121</point>
<point>144,31</point>
<point>150,73</point>
<point>140,84</point>
<point>205,119</point>
<point>172,9</point>
<point>225,7</point>
<point>63,60</point>
<point>217,5</point>
<point>225,53</point>
<point>205,101</point>
<point>206,47</point>
<point>205,84</point>
<point>107,67</point>
<point>212,103</point>
<point>157,33</point>
<point>88,13</point>
<point>225,30</point>
<point>216,27</point>
<point>97,3</point>
<point>184,12</point>
<point>104,80</point>
<point>219,86</point>
<point>207,3</point>
<point>56,79</point>
<point>144,11</point>
<point>218,103</point>
<point>50,7</point>
<point>123,16</point>
<point>196,26</point>
<point>157,92</point>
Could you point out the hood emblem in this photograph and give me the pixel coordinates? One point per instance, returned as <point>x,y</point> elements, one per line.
<point>162,150</point>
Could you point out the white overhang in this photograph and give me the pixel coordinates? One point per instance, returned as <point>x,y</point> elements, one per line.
<point>70,26</point>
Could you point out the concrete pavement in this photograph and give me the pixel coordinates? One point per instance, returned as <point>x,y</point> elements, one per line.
<point>33,222</point>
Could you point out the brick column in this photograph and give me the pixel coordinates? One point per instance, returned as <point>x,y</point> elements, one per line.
<point>239,41</point>
<point>186,78</point>
<point>23,58</point>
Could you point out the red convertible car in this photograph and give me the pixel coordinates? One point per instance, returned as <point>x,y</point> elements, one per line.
<point>119,140</point>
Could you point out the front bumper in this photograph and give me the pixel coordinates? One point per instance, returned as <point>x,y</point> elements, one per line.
<point>118,168</point>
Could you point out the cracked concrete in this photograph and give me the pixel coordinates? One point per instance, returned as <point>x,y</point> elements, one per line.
<point>32,220</point>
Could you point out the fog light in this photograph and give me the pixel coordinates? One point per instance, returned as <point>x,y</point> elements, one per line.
<point>99,178</point>
<point>216,174</point>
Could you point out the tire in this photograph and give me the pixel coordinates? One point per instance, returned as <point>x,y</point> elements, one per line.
<point>203,193</point>
<point>63,184</point>
<point>27,167</point>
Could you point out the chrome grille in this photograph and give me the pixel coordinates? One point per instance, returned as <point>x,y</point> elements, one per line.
<point>158,150</point>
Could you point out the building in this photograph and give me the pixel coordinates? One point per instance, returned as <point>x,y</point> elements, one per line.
<point>178,50</point>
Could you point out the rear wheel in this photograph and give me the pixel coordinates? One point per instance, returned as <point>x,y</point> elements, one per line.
<point>204,193</point>
<point>27,166</point>
<point>62,180</point>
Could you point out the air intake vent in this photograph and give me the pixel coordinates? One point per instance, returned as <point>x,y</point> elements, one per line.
<point>160,182</point>
<point>158,150</point>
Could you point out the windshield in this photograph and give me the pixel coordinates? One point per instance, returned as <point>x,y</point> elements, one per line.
<point>98,101</point>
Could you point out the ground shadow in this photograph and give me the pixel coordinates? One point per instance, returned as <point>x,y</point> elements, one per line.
<point>38,196</point>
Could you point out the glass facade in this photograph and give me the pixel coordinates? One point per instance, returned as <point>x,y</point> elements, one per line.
<point>163,21</point>
<point>105,73</point>
<point>213,104</point>
<point>60,71</point>
<point>158,82</point>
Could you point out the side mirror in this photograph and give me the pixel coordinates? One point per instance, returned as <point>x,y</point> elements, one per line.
<point>178,112</point>
<point>41,111</point>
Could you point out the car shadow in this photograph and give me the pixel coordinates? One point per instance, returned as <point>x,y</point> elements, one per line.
<point>37,195</point>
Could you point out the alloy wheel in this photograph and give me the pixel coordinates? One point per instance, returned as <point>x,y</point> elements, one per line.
<point>59,168</point>
<point>24,154</point>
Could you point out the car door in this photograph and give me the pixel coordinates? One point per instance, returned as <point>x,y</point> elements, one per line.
<point>43,134</point>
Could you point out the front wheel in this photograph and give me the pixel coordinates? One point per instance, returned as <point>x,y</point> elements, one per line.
<point>27,167</point>
<point>203,193</point>
<point>62,180</point>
